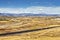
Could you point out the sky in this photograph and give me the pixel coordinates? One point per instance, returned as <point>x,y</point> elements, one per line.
<point>30,6</point>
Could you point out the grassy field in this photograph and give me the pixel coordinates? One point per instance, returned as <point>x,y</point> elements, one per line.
<point>13,24</point>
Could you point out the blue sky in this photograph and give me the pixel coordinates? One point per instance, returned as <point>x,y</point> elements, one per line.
<point>30,6</point>
<point>27,3</point>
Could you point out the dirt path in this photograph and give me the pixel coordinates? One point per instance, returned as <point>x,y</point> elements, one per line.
<point>26,31</point>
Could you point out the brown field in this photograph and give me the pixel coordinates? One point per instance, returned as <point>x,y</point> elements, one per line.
<point>14,24</point>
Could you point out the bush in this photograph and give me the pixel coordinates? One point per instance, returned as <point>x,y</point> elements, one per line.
<point>3,19</point>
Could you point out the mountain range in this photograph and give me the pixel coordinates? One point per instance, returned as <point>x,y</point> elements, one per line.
<point>28,14</point>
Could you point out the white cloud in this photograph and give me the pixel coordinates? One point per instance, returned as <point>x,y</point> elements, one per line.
<point>33,9</point>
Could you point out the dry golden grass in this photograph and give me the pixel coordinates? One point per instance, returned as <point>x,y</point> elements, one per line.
<point>29,23</point>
